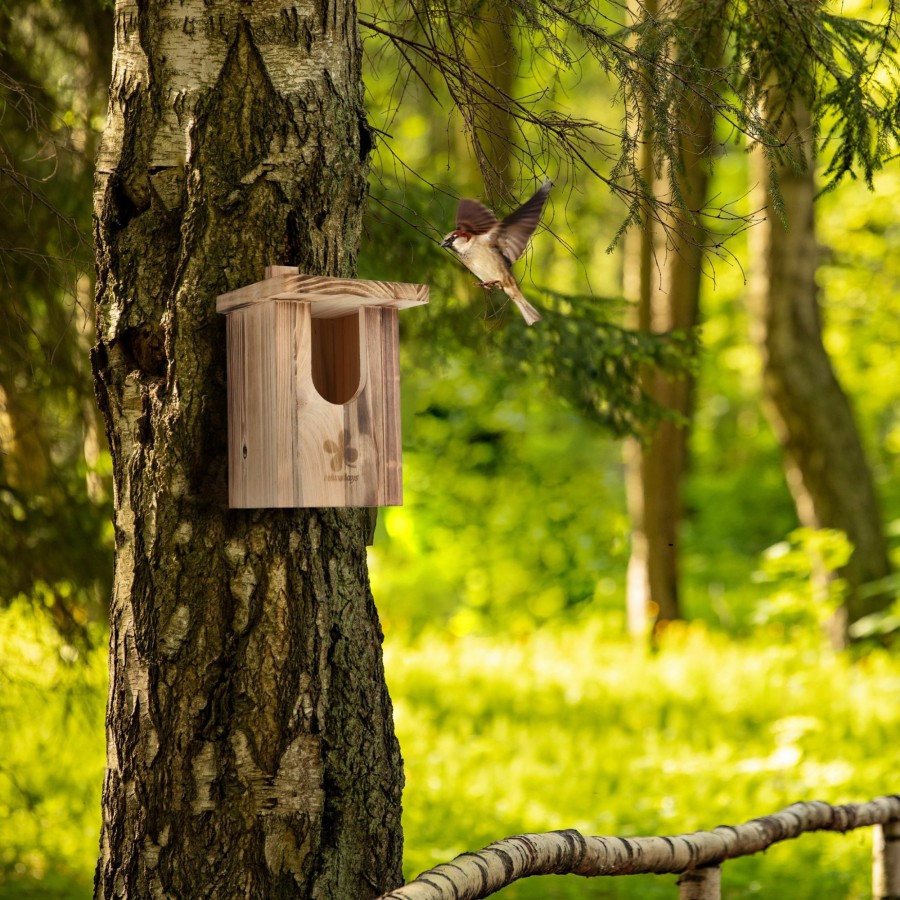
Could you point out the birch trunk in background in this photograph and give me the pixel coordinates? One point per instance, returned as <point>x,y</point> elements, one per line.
<point>662,279</point>
<point>825,463</point>
<point>250,737</point>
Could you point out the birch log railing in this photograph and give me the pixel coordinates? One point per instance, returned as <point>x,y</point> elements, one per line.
<point>696,857</point>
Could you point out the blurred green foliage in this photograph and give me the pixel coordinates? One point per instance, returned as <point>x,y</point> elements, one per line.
<point>500,468</point>
<point>55,485</point>
<point>583,730</point>
<point>488,500</point>
<point>797,569</point>
<point>52,703</point>
<point>513,511</point>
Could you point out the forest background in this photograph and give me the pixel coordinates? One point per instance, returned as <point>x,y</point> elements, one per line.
<point>521,702</point>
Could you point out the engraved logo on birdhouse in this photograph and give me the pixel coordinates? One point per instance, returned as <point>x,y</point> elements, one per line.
<point>342,454</point>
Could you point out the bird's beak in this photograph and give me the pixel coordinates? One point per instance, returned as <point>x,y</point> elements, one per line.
<point>447,241</point>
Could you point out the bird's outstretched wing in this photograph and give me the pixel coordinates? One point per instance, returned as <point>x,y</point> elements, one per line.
<point>474,218</point>
<point>517,228</point>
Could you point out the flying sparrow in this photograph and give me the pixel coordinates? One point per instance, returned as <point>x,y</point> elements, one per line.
<point>488,247</point>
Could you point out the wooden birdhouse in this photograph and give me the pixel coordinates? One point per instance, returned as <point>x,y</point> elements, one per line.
<point>314,390</point>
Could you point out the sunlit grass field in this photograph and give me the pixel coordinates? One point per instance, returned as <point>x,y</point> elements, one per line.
<point>564,727</point>
<point>576,728</point>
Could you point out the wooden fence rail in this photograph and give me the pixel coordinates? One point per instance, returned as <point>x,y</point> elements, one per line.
<point>696,857</point>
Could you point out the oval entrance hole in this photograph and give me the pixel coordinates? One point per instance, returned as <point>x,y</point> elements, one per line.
<point>337,358</point>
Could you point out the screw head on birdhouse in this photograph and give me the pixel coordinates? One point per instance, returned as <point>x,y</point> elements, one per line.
<point>314,390</point>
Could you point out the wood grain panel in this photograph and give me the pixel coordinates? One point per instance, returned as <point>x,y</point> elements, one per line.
<point>256,444</point>
<point>285,409</point>
<point>371,413</point>
<point>237,425</point>
<point>392,455</point>
<point>319,426</point>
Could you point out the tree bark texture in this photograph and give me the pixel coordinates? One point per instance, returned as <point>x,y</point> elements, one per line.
<point>701,884</point>
<point>663,271</point>
<point>250,737</point>
<point>473,876</point>
<point>825,463</point>
<point>886,861</point>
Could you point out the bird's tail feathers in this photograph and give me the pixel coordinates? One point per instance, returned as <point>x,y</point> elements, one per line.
<point>529,313</point>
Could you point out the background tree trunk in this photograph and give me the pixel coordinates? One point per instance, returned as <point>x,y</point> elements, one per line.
<point>494,56</point>
<point>663,272</point>
<point>250,737</point>
<point>825,463</point>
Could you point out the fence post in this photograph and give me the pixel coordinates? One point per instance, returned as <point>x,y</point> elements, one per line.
<point>886,862</point>
<point>701,884</point>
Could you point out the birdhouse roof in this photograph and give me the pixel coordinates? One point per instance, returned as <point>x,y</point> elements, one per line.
<point>330,297</point>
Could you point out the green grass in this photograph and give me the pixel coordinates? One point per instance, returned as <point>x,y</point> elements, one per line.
<point>566,727</point>
<point>574,728</point>
<point>52,702</point>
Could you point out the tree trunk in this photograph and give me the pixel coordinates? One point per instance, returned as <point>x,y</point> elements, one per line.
<point>494,56</point>
<point>825,463</point>
<point>662,279</point>
<point>250,738</point>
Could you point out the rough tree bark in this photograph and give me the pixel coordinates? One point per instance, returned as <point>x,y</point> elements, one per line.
<point>250,739</point>
<point>886,861</point>
<point>701,884</point>
<point>662,278</point>
<point>825,462</point>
